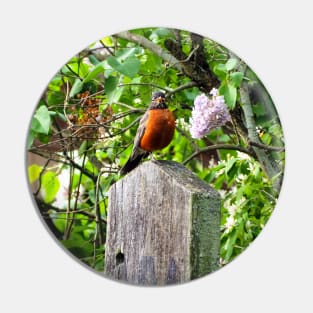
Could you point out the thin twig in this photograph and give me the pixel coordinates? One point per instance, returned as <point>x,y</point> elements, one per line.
<point>66,103</point>
<point>46,207</point>
<point>182,87</point>
<point>167,90</point>
<point>82,169</point>
<point>69,221</point>
<point>106,47</point>
<point>126,106</point>
<point>266,147</point>
<point>71,70</point>
<point>190,55</point>
<point>70,226</point>
<point>220,147</point>
<point>98,232</point>
<point>145,84</point>
<point>40,176</point>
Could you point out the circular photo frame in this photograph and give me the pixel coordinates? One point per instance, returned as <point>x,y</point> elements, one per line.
<point>155,156</point>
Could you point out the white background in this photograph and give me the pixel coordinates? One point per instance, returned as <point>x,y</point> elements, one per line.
<point>274,38</point>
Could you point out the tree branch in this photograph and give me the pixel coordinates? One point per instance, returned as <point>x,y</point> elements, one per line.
<point>182,87</point>
<point>168,91</point>
<point>266,147</point>
<point>195,66</point>
<point>145,84</point>
<point>82,169</point>
<point>69,211</point>
<point>221,147</point>
<point>74,73</point>
<point>267,163</point>
<point>63,159</point>
<point>45,207</point>
<point>106,47</point>
<point>99,230</point>
<point>270,167</point>
<point>40,176</point>
<point>142,41</point>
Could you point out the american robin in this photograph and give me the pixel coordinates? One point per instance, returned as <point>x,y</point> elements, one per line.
<point>155,131</point>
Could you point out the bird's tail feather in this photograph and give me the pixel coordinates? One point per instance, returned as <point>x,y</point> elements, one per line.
<point>132,162</point>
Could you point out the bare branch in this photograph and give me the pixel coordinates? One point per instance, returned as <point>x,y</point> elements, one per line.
<point>71,70</point>
<point>266,161</point>
<point>266,147</point>
<point>82,169</point>
<point>167,90</point>
<point>167,57</point>
<point>40,176</point>
<point>106,47</point>
<point>46,207</point>
<point>98,233</point>
<point>220,147</point>
<point>182,87</point>
<point>69,211</point>
<point>145,84</point>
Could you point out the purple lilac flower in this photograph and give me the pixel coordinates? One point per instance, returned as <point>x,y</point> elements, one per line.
<point>208,113</point>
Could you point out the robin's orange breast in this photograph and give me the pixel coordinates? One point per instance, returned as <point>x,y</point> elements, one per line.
<point>159,130</point>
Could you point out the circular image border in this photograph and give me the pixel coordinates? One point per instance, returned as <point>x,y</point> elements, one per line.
<point>147,103</point>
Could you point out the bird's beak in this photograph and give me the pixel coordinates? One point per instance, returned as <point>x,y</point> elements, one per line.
<point>159,100</point>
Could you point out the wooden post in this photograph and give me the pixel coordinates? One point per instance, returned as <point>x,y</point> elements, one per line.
<point>163,226</point>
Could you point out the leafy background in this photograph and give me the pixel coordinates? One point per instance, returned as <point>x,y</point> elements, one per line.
<point>84,124</point>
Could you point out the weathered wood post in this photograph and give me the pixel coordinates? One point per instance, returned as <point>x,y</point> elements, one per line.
<point>163,226</point>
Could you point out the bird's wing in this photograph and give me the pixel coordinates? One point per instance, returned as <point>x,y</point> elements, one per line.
<point>141,130</point>
<point>137,153</point>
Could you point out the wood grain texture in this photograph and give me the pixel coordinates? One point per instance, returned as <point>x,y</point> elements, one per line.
<point>163,226</point>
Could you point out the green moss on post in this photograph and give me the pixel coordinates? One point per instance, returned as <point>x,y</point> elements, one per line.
<point>205,239</point>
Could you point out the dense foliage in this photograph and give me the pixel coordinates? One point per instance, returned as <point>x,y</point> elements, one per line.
<point>85,122</point>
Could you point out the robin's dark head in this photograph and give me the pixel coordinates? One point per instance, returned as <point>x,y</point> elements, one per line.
<point>158,101</point>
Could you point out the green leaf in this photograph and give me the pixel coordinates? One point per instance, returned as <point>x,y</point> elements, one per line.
<point>76,88</point>
<point>43,138</point>
<point>55,98</point>
<point>50,184</point>
<point>61,116</point>
<point>30,139</point>
<point>153,62</point>
<point>113,62</point>
<point>34,171</point>
<point>99,68</point>
<point>258,110</point>
<point>108,182</point>
<point>229,246</point>
<point>266,138</point>
<point>220,71</point>
<point>41,121</point>
<point>110,84</point>
<point>115,95</point>
<point>129,67</point>
<point>78,246</point>
<point>230,164</point>
<point>124,54</point>
<point>229,92</point>
<point>93,60</point>
<point>107,41</point>
<point>83,148</point>
<point>236,78</point>
<point>230,64</point>
<point>223,138</point>
<point>164,32</point>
